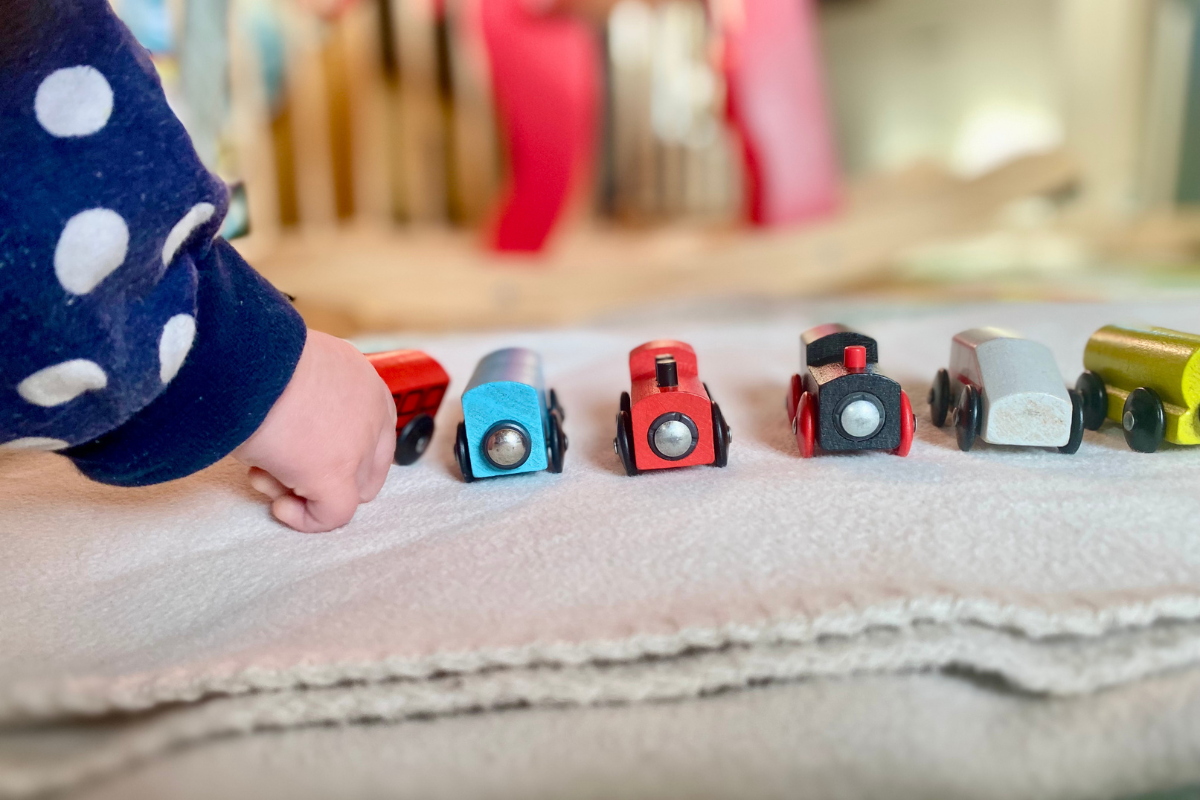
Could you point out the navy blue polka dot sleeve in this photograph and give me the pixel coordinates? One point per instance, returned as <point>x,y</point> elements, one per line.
<point>135,342</point>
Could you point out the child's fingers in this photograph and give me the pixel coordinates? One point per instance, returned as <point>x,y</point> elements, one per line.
<point>265,482</point>
<point>333,508</point>
<point>381,462</point>
<point>289,510</point>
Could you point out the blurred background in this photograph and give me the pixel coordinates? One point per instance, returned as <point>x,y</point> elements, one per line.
<point>464,164</point>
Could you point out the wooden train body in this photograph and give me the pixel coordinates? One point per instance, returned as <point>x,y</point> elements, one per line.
<point>1005,390</point>
<point>417,383</point>
<point>1145,379</point>
<point>668,419</point>
<point>839,402</point>
<point>511,424</point>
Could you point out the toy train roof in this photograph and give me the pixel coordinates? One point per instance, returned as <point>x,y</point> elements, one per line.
<point>1165,360</point>
<point>402,370</point>
<point>826,344</point>
<point>641,358</point>
<point>1003,364</point>
<point>508,365</point>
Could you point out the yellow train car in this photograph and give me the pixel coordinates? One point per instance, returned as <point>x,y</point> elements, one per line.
<point>1145,379</point>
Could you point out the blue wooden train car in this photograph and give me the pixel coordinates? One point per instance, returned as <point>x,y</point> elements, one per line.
<point>511,424</point>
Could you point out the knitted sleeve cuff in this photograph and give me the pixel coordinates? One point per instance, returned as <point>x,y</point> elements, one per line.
<point>247,343</point>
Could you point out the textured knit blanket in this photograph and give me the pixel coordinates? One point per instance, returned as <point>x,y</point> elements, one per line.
<point>182,612</point>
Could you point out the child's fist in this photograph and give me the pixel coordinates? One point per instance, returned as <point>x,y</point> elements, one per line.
<point>328,441</point>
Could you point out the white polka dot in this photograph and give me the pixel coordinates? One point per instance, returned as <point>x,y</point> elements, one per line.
<point>35,443</point>
<point>93,244</point>
<point>76,101</point>
<point>62,383</point>
<point>196,216</point>
<point>174,344</point>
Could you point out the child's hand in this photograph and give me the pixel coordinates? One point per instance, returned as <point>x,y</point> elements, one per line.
<point>328,441</point>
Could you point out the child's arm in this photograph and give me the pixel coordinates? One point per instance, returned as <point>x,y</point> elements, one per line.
<point>134,342</point>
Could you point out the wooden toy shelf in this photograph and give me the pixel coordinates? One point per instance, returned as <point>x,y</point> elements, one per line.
<point>356,279</point>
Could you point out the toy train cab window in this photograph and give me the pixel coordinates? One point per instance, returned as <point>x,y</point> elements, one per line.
<point>511,424</point>
<point>840,403</point>
<point>1005,390</point>
<point>410,402</point>
<point>670,419</point>
<point>417,384</point>
<point>1145,379</point>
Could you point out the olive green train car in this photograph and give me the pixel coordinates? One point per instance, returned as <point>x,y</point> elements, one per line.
<point>1145,379</point>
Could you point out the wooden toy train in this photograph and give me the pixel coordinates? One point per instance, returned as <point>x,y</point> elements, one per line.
<point>998,388</point>
<point>511,424</point>
<point>1005,390</point>
<point>418,384</point>
<point>840,402</point>
<point>668,418</point>
<point>1145,379</point>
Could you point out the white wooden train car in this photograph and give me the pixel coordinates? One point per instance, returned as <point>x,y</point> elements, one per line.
<point>1006,390</point>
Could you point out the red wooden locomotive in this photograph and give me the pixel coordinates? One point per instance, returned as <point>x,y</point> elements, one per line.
<point>841,403</point>
<point>417,384</point>
<point>670,420</point>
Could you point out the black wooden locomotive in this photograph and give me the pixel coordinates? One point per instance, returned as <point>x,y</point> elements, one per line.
<point>839,402</point>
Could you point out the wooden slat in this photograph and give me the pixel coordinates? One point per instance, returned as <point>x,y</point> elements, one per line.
<point>476,151</point>
<point>368,100</point>
<point>307,97</point>
<point>250,120</point>
<point>421,126</point>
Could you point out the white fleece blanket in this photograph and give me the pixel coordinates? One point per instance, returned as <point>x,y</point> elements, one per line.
<point>911,736</point>
<point>1061,574</point>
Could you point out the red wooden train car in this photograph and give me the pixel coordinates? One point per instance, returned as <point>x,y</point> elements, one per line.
<point>418,384</point>
<point>670,420</point>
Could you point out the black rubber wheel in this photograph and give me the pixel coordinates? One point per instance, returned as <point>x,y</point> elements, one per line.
<point>1095,400</point>
<point>1143,420</point>
<point>556,442</point>
<point>413,438</point>
<point>553,405</point>
<point>462,453</point>
<point>939,398</point>
<point>623,443</point>
<point>722,437</point>
<point>1072,445</point>
<point>966,417</point>
<point>627,405</point>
